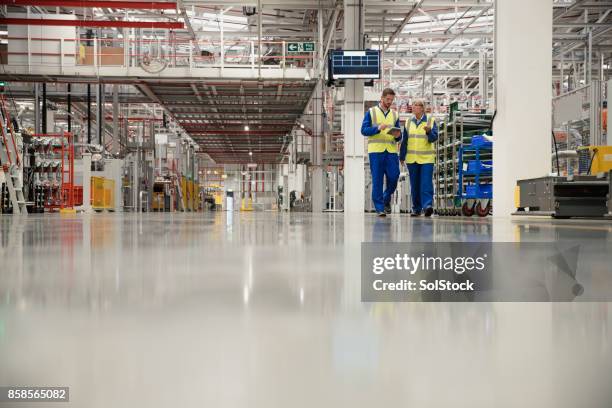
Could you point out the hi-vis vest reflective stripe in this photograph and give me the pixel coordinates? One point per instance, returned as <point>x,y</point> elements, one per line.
<point>382,141</point>
<point>419,149</point>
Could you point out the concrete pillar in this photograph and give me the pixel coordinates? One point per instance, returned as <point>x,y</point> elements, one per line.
<point>524,89</point>
<point>99,115</point>
<point>608,138</point>
<point>116,145</point>
<point>37,117</point>
<point>354,174</point>
<point>86,182</point>
<point>316,151</point>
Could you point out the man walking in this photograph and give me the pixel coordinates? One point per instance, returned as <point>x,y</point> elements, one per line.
<point>418,150</point>
<point>381,127</point>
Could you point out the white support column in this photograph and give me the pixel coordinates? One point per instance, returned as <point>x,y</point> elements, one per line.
<point>259,25</point>
<point>252,56</point>
<point>29,42</point>
<point>354,174</point>
<point>222,31</point>
<point>86,182</point>
<point>609,132</point>
<point>190,56</point>
<point>116,146</point>
<point>522,53</point>
<point>61,52</point>
<point>316,150</point>
<point>126,47</point>
<point>482,79</point>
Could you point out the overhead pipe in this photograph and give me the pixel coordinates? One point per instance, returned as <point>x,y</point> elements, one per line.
<point>241,151</point>
<point>241,132</point>
<point>92,23</point>
<point>128,5</point>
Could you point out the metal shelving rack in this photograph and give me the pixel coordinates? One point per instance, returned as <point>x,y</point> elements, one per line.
<point>453,135</point>
<point>445,167</point>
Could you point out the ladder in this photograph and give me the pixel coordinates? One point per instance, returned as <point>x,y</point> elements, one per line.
<point>10,163</point>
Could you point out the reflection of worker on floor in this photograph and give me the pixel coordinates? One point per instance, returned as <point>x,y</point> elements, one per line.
<point>418,151</point>
<point>377,126</point>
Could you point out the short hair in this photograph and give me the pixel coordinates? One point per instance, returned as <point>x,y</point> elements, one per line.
<point>388,91</point>
<point>420,102</point>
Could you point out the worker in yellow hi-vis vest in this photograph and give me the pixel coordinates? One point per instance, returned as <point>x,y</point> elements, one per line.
<point>381,126</point>
<point>418,151</point>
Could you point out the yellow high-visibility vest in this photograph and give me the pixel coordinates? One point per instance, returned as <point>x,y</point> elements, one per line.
<point>382,141</point>
<point>419,149</point>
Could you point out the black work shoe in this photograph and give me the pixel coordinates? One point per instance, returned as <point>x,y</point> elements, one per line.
<point>388,209</point>
<point>381,214</point>
<point>415,214</point>
<point>429,212</point>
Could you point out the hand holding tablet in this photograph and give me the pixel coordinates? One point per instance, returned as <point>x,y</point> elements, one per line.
<point>395,131</point>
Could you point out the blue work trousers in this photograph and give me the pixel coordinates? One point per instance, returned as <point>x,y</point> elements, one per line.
<point>383,165</point>
<point>421,186</point>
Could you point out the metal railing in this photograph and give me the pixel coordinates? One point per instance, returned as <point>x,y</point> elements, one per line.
<point>138,52</point>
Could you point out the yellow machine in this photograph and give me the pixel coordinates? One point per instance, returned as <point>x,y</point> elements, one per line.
<point>191,199</point>
<point>158,201</point>
<point>247,204</point>
<point>601,157</point>
<point>213,196</point>
<point>102,193</point>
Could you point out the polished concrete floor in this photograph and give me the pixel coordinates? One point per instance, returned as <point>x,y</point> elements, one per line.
<point>264,310</point>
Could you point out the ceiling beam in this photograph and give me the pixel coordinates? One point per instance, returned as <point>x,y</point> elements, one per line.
<point>119,4</point>
<point>450,40</point>
<point>405,21</point>
<point>90,23</point>
<point>189,27</point>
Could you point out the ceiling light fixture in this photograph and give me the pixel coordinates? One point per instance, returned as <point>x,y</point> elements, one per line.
<point>246,128</point>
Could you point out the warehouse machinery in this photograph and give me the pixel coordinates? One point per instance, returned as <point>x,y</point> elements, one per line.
<point>580,185</point>
<point>564,196</point>
<point>585,195</point>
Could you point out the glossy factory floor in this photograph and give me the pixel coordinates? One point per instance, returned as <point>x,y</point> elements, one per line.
<point>263,310</point>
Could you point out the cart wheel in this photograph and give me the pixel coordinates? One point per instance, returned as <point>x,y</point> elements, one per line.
<point>457,212</point>
<point>468,210</point>
<point>482,212</point>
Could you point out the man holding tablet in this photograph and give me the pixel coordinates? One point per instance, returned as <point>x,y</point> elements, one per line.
<point>381,126</point>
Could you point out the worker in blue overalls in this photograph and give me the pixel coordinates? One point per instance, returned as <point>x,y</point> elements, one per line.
<point>381,127</point>
<point>418,151</point>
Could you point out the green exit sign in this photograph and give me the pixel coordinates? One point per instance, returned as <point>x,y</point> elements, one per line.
<point>301,47</point>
